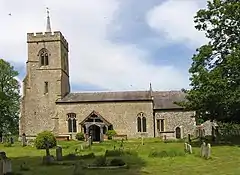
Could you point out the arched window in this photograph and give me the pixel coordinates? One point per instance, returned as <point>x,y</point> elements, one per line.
<point>44,55</point>
<point>141,122</point>
<point>72,122</point>
<point>178,132</point>
<point>144,124</point>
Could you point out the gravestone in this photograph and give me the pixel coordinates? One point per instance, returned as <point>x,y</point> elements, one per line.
<point>11,140</point>
<point>185,147</point>
<point>24,140</point>
<point>48,159</point>
<point>59,153</point>
<point>189,149</point>
<point>203,150</point>
<point>5,164</point>
<point>90,141</point>
<point>208,151</point>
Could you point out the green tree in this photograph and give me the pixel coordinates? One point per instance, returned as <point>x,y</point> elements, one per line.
<point>9,98</point>
<point>215,70</point>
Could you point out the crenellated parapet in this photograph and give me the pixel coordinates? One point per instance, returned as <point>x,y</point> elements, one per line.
<point>46,37</point>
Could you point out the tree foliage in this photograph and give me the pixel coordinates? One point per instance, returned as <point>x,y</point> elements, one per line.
<point>215,69</point>
<point>9,98</point>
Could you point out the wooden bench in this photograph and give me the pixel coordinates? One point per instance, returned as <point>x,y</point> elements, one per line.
<point>120,137</point>
<point>63,137</point>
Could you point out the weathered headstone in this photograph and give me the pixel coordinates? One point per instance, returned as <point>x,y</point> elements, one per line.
<point>185,147</point>
<point>5,164</point>
<point>189,149</point>
<point>203,150</point>
<point>208,151</point>
<point>48,159</point>
<point>24,140</point>
<point>59,153</point>
<point>90,141</point>
<point>11,140</point>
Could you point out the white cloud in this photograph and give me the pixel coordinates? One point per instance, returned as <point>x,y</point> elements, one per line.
<point>175,20</point>
<point>93,58</point>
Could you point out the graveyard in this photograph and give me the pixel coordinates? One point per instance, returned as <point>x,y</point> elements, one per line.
<point>148,156</point>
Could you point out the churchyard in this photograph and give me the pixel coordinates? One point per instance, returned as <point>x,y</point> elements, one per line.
<point>150,156</point>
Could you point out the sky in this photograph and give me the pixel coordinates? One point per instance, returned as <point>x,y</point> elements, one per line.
<point>115,45</point>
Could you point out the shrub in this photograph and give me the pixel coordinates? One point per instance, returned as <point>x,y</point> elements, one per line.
<point>80,136</point>
<point>100,161</point>
<point>117,162</point>
<point>110,134</point>
<point>45,136</point>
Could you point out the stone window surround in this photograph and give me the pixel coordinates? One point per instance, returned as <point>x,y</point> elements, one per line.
<point>43,57</point>
<point>141,116</point>
<point>73,117</point>
<point>164,124</point>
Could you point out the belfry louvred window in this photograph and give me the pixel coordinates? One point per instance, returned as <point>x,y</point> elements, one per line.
<point>44,56</point>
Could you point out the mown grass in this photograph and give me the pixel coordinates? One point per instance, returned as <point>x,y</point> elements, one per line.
<point>225,160</point>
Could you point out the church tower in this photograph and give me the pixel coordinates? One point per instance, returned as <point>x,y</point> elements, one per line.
<point>46,80</point>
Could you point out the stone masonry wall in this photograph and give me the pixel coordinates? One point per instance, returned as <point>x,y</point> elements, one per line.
<point>173,119</point>
<point>38,108</point>
<point>122,115</point>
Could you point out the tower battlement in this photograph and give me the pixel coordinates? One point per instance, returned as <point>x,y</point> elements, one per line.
<point>47,37</point>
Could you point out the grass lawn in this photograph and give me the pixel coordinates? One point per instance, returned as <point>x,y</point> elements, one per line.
<point>225,159</point>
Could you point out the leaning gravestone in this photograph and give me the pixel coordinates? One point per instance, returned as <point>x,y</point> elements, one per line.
<point>59,153</point>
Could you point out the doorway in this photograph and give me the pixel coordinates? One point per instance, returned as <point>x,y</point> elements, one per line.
<point>94,131</point>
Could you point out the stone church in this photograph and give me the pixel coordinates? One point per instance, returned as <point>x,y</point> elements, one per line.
<point>48,104</point>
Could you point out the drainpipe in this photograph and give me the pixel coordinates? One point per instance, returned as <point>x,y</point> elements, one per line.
<point>154,127</point>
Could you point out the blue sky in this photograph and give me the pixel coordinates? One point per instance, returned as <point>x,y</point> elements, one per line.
<point>114,44</point>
